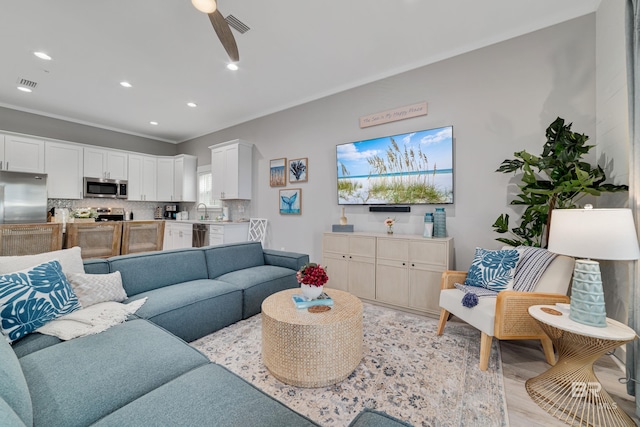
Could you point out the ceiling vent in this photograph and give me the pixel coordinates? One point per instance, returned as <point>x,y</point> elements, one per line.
<point>237,24</point>
<point>26,83</point>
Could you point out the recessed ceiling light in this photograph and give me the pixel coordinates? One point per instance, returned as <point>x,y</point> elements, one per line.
<point>232,66</point>
<point>125,84</point>
<point>192,104</point>
<point>24,89</point>
<point>154,123</point>
<point>42,55</point>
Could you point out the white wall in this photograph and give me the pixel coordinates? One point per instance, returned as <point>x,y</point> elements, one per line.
<point>499,99</point>
<point>612,136</point>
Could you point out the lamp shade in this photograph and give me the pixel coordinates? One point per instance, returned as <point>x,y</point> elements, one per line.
<point>606,234</point>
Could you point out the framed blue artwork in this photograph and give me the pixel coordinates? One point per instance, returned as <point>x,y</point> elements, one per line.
<point>291,201</point>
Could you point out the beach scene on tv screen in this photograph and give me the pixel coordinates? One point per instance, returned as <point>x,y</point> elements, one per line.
<point>412,168</point>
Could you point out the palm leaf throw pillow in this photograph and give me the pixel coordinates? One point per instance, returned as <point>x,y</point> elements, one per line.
<point>493,270</point>
<point>32,297</point>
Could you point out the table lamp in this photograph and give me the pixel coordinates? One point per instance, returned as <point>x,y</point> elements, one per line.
<point>607,234</point>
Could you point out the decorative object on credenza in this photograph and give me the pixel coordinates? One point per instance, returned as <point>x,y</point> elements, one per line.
<point>428,225</point>
<point>440,223</point>
<point>394,115</point>
<point>277,172</point>
<point>554,179</point>
<point>291,201</point>
<point>606,234</point>
<point>343,219</point>
<point>312,278</point>
<point>389,223</point>
<point>299,170</point>
<point>337,228</point>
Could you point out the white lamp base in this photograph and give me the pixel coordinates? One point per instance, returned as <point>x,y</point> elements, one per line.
<point>587,297</point>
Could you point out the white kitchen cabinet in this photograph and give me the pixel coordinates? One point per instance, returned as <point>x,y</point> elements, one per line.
<point>231,166</point>
<point>402,271</point>
<point>165,179</point>
<point>177,235</point>
<point>185,178</point>
<point>21,154</point>
<point>351,259</point>
<point>63,166</point>
<point>104,163</point>
<point>232,232</point>
<point>142,177</point>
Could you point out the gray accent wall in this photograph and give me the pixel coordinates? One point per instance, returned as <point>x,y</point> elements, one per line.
<point>51,128</point>
<point>499,99</point>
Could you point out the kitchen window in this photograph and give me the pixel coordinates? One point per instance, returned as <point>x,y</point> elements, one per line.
<point>205,189</point>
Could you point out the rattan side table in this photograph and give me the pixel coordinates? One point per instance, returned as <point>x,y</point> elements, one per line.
<point>570,390</point>
<point>311,349</point>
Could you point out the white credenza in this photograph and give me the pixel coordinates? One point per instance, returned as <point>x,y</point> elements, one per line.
<point>398,270</point>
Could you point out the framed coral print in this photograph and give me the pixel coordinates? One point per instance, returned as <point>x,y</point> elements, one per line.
<point>291,201</point>
<point>298,170</point>
<point>277,172</point>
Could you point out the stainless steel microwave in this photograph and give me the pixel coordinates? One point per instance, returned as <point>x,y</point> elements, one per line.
<point>108,188</point>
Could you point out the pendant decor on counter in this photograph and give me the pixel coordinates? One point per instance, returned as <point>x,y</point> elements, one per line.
<point>440,223</point>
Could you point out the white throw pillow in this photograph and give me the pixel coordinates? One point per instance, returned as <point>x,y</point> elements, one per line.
<point>70,260</point>
<point>95,288</point>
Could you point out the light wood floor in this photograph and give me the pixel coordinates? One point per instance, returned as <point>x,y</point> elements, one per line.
<point>522,360</point>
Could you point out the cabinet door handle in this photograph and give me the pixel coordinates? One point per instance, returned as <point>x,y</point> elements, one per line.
<point>404,263</point>
<point>7,165</point>
<point>344,256</point>
<point>413,265</point>
<point>1,165</point>
<point>350,257</point>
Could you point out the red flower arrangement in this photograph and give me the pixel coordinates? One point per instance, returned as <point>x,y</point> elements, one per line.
<point>312,274</point>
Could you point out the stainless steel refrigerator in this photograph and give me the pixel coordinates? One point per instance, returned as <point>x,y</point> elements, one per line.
<point>23,197</point>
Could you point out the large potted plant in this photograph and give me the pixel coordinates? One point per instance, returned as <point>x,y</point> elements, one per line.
<point>558,178</point>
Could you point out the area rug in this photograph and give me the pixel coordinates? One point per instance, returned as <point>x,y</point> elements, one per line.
<point>407,371</point>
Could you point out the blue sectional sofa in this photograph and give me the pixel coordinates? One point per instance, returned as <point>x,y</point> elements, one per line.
<point>141,372</point>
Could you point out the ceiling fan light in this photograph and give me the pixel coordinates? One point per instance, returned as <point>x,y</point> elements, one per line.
<point>205,6</point>
<point>232,66</point>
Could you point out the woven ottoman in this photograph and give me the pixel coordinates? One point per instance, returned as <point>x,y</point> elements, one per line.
<point>311,349</point>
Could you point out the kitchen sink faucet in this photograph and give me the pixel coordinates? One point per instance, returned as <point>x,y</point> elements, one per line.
<point>206,213</point>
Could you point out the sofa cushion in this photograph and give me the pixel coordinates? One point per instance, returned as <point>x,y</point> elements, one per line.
<point>96,288</point>
<point>77,382</point>
<point>192,309</point>
<point>13,388</point>
<point>258,283</point>
<point>33,342</point>
<point>493,270</point>
<point>237,256</point>
<point>147,271</point>
<point>70,260</point>
<point>8,418</point>
<point>482,316</point>
<point>209,395</point>
<point>30,298</point>
<point>96,266</point>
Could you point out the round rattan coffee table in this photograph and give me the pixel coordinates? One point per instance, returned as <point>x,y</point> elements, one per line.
<point>311,349</point>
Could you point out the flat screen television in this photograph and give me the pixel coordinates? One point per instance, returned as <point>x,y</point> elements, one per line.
<point>411,168</point>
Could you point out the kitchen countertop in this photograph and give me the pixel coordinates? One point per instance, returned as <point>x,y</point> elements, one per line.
<point>213,222</point>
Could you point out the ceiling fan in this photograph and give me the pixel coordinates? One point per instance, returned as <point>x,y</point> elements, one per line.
<point>220,26</point>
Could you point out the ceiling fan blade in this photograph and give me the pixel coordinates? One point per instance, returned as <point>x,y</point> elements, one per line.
<point>225,35</point>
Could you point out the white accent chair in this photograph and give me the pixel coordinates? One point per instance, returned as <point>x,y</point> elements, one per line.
<point>506,316</point>
<point>257,230</point>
